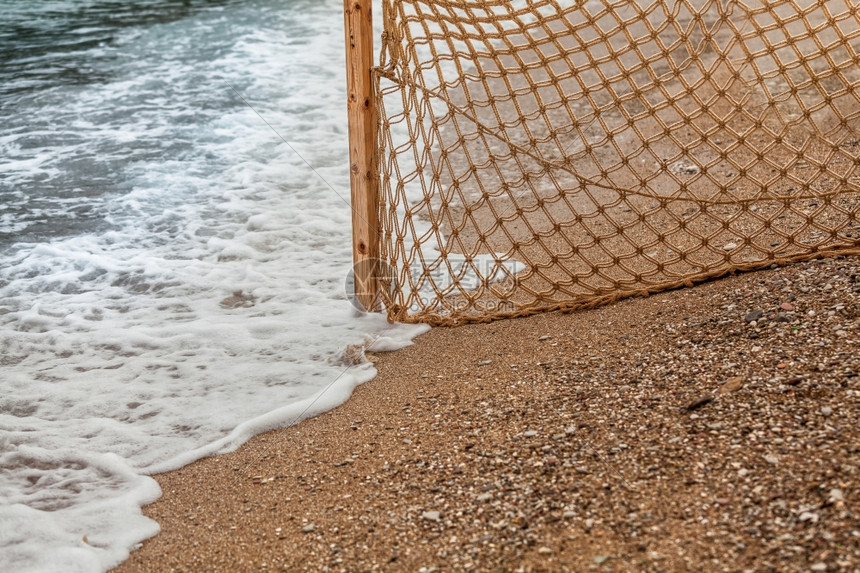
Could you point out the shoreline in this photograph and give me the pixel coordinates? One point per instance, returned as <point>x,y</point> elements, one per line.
<point>665,433</point>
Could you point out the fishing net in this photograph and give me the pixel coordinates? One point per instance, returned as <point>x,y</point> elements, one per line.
<point>544,155</point>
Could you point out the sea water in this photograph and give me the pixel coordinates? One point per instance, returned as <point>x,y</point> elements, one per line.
<point>174,239</point>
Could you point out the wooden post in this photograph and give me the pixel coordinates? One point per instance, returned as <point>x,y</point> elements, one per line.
<point>363,176</point>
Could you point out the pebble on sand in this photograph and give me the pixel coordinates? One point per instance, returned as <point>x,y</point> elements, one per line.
<point>754,315</point>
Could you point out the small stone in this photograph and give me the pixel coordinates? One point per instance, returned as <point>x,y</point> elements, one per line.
<point>431,515</point>
<point>581,469</point>
<point>530,433</point>
<point>600,559</point>
<point>771,459</point>
<point>732,385</point>
<point>589,523</point>
<point>787,306</point>
<point>485,363</point>
<point>568,514</point>
<point>808,516</point>
<point>544,337</point>
<point>544,550</point>
<point>818,566</point>
<point>484,497</point>
<point>308,528</point>
<point>730,246</point>
<point>407,441</point>
<point>684,168</point>
<point>753,315</point>
<point>826,411</point>
<point>570,430</point>
<point>699,402</point>
<point>835,495</point>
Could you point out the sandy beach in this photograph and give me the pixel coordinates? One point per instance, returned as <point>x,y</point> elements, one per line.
<point>712,428</point>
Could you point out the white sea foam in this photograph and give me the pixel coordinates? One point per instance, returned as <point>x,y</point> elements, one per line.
<point>119,358</point>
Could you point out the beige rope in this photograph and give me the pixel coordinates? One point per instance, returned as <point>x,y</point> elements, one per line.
<point>541,156</point>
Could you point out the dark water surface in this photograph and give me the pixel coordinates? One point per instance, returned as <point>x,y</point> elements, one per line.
<point>85,87</point>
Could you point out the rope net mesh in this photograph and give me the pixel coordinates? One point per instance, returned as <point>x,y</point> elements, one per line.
<point>543,155</point>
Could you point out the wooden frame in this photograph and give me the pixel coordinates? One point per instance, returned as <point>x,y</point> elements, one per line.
<point>363,172</point>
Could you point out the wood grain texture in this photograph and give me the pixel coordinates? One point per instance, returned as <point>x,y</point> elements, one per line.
<point>364,177</point>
